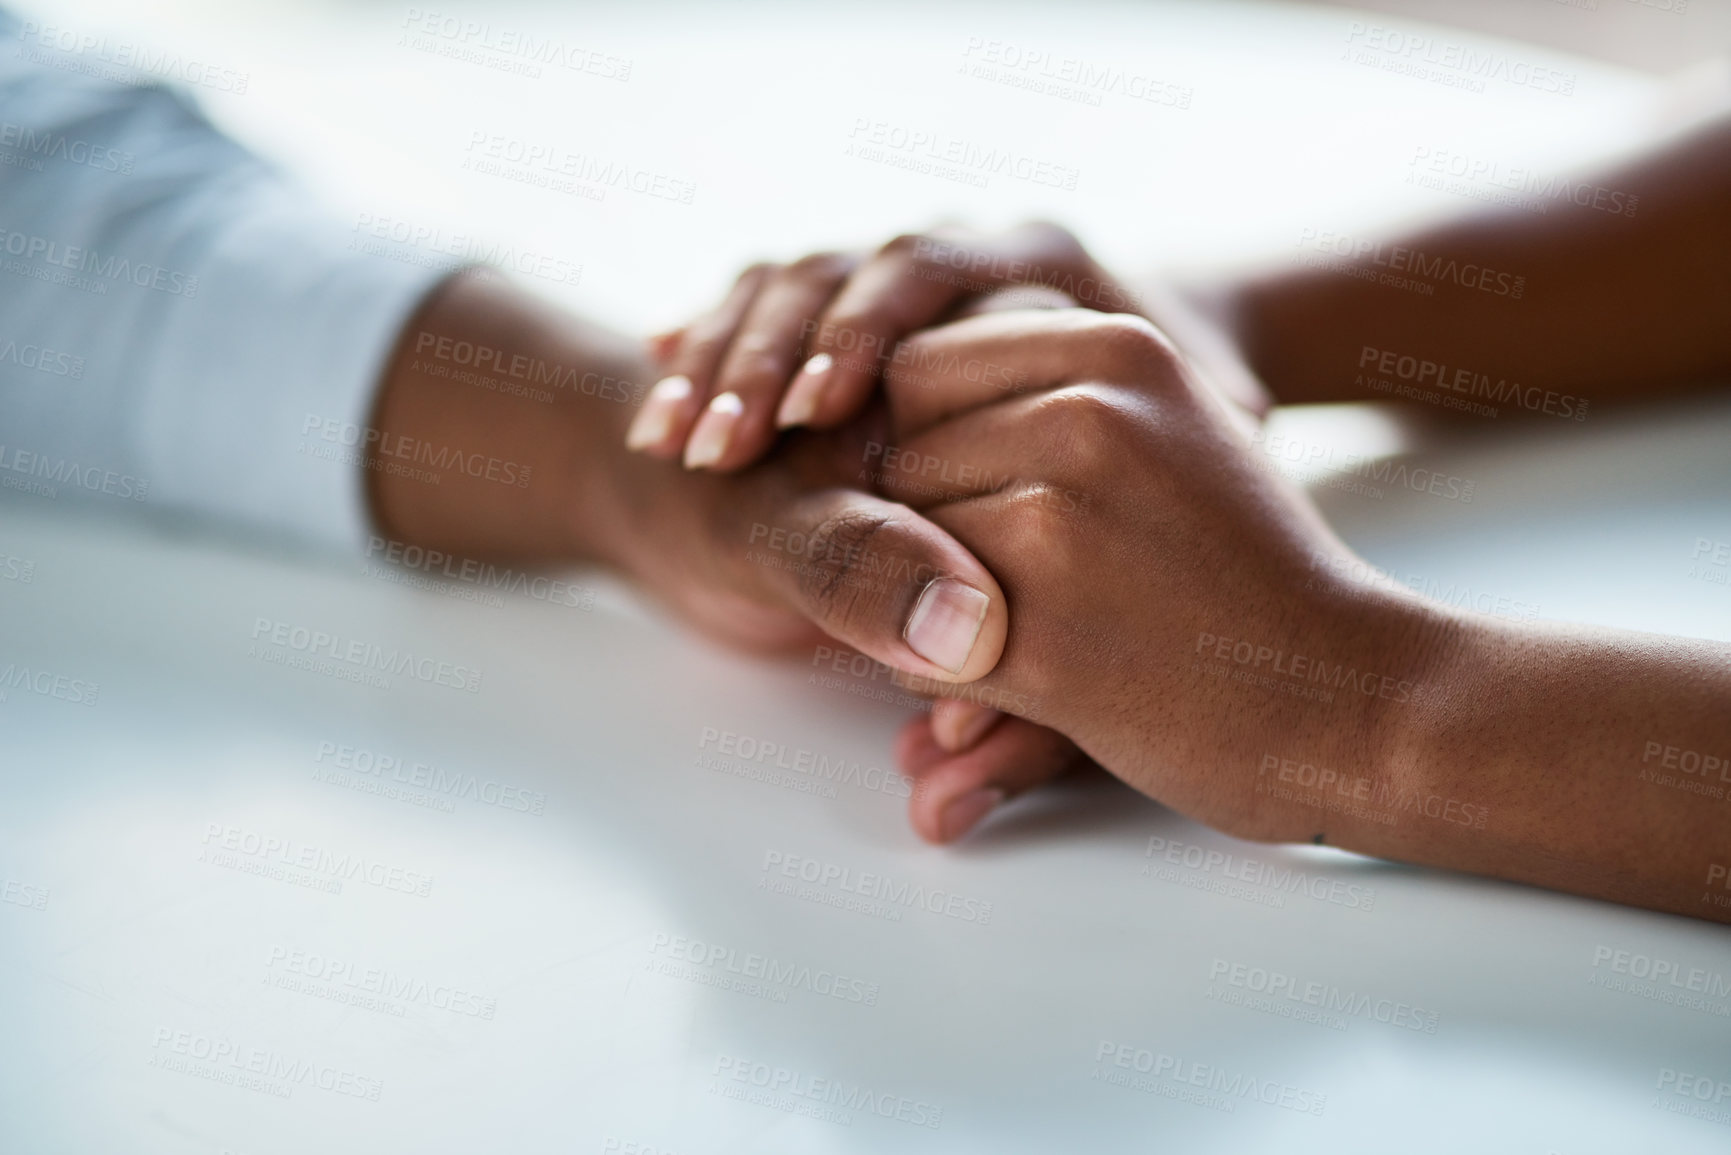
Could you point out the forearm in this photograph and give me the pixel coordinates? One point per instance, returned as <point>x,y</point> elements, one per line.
<point>1591,761</point>
<point>1580,301</point>
<point>499,423</point>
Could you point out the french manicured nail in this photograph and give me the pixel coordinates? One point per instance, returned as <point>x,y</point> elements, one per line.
<point>655,420</point>
<point>714,432</point>
<point>800,404</point>
<point>946,623</point>
<point>965,811</point>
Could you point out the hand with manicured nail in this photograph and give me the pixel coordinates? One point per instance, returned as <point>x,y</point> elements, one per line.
<point>1121,507</point>
<point>789,554</point>
<point>1182,616</point>
<point>805,344</point>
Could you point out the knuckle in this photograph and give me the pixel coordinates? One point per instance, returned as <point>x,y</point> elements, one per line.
<point>1089,430</point>
<point>1133,346</point>
<point>907,244</point>
<point>752,371</point>
<point>838,577</point>
<point>821,267</point>
<point>1055,239</point>
<point>858,340</point>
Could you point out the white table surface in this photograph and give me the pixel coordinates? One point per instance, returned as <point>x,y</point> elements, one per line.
<point>168,985</point>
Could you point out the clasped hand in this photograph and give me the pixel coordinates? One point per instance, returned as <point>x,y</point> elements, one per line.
<point>1104,477</point>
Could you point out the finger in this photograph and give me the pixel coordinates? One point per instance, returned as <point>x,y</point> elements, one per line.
<point>662,346</point>
<point>885,300</point>
<point>880,578</point>
<point>954,792</point>
<point>1016,297</point>
<point>661,426</point>
<point>958,725</point>
<point>975,362</point>
<point>760,360</point>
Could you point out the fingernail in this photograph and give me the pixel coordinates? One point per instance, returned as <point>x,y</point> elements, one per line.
<point>655,420</point>
<point>800,404</point>
<point>714,431</point>
<point>965,811</point>
<point>945,623</point>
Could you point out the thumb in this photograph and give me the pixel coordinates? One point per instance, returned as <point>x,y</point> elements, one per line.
<point>879,577</point>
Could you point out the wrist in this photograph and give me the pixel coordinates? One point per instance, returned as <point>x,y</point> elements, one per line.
<point>496,421</point>
<point>1348,761</point>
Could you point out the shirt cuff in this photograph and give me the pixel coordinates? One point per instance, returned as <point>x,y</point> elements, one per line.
<point>258,398</point>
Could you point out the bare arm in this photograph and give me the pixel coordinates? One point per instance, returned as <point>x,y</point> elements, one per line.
<point>1173,620</point>
<point>1626,294</point>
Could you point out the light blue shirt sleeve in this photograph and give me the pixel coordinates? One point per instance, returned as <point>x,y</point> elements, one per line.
<point>181,331</point>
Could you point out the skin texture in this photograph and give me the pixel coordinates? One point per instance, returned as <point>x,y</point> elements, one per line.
<point>1172,621</point>
<point>1613,305</point>
<point>1459,741</point>
<point>851,309</point>
<point>715,549</point>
